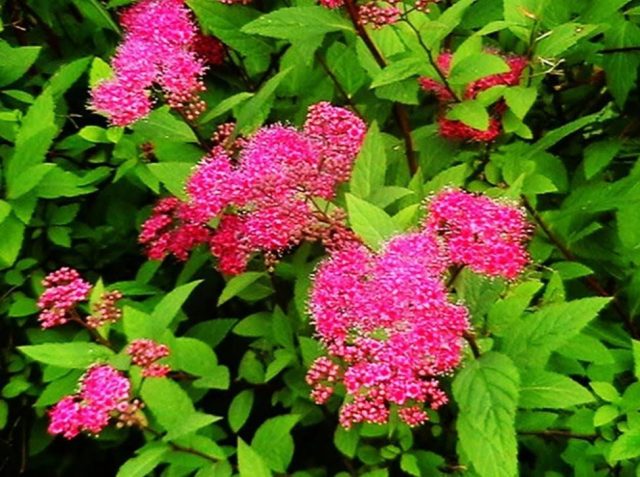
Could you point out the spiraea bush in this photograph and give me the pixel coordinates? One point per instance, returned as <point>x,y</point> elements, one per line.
<point>346,238</point>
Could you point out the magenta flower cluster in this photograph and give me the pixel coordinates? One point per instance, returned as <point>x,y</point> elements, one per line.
<point>385,318</point>
<point>161,47</point>
<point>103,394</point>
<point>64,289</point>
<point>261,190</point>
<point>457,130</point>
<point>379,13</point>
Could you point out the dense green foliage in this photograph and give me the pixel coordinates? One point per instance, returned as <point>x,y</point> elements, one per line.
<point>553,388</point>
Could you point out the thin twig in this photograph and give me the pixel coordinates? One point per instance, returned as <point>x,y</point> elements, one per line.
<point>92,331</point>
<point>443,78</point>
<point>591,281</point>
<point>623,49</point>
<point>470,338</point>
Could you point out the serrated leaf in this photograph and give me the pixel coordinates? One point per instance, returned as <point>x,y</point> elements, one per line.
<point>399,70</point>
<point>298,23</point>
<point>627,446</point>
<point>622,67</point>
<point>346,441</point>
<point>11,243</point>
<point>76,355</point>
<point>487,394</point>
<point>226,105</point>
<point>172,175</point>
<point>544,389</point>
<point>370,222</point>
<point>532,340</point>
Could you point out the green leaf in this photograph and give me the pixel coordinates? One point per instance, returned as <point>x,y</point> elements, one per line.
<point>563,37</point>
<point>346,441</point>
<point>15,62</point>
<point>226,105</point>
<point>28,179</point>
<point>551,138</point>
<point>487,394</point>
<point>238,284</point>
<point>399,70</point>
<point>34,138</point>
<point>239,409</point>
<point>11,243</point>
<point>543,389</point>
<point>76,355</point>
<point>606,391</point>
<point>622,68</point>
<point>298,23</point>
<point>167,309</point>
<point>342,61</point>
<point>172,175</point>
<point>143,463</point>
<point>66,76</point>
<point>370,167</point>
<point>172,407</point>
<point>100,71</point>
<point>250,464</point>
<point>189,424</point>
<point>476,66</point>
<point>256,110</point>
<point>370,222</point>
<point>161,124</point>
<point>438,30</point>
<point>532,340</point>
<point>520,99</point>
<point>605,414</point>
<point>274,443</point>
<point>472,113</point>
<point>4,413</point>
<point>627,446</point>
<point>193,356</point>
<point>636,357</point>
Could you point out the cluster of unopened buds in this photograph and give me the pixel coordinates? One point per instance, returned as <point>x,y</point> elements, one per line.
<point>377,13</point>
<point>262,191</point>
<point>457,130</point>
<point>64,290</point>
<point>385,318</point>
<point>163,49</point>
<point>103,395</point>
<point>145,353</point>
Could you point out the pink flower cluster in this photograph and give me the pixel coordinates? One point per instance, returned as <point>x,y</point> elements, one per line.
<point>145,353</point>
<point>385,318</point>
<point>485,235</point>
<point>104,392</point>
<point>379,13</point>
<point>64,289</point>
<point>457,130</point>
<point>262,195</point>
<point>162,48</point>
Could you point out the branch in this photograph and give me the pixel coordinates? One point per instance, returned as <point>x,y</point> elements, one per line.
<point>470,338</point>
<point>591,281</point>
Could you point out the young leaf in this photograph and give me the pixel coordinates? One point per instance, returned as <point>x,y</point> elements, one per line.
<point>472,113</point>
<point>143,463</point>
<point>476,66</point>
